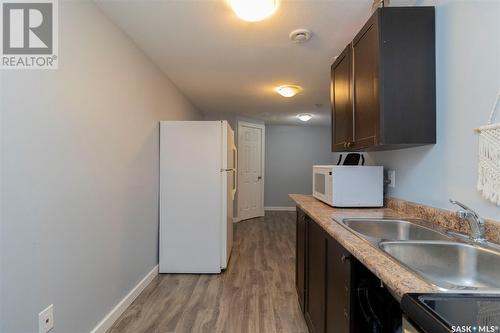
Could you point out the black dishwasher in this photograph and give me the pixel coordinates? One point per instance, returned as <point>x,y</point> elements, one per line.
<point>375,309</point>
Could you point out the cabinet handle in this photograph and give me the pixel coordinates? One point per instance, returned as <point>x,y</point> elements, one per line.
<point>346,314</point>
<point>345,144</point>
<point>349,144</point>
<point>344,258</point>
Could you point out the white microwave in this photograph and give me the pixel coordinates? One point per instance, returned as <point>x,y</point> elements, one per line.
<point>349,185</point>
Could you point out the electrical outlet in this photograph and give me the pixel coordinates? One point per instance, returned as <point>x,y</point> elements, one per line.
<point>391,178</point>
<point>46,319</point>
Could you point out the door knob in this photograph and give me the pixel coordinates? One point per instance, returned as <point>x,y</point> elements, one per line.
<point>259,177</point>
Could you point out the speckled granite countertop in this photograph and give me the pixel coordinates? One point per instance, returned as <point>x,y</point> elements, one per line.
<point>395,276</point>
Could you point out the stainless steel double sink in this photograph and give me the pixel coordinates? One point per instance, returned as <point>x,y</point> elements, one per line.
<point>446,262</point>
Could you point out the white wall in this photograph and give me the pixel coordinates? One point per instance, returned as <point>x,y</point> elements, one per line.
<point>468,79</point>
<point>80,175</point>
<point>291,151</point>
<point>232,119</point>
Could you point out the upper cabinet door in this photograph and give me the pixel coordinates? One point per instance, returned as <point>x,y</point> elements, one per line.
<point>365,56</point>
<point>341,97</point>
<point>384,84</point>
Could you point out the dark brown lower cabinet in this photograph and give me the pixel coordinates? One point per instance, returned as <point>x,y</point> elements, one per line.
<point>336,292</point>
<point>328,286</point>
<point>338,288</point>
<point>316,278</point>
<point>300,258</point>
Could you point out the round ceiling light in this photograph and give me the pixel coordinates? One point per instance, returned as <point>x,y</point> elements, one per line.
<point>300,35</point>
<point>254,10</point>
<point>288,90</point>
<point>304,117</point>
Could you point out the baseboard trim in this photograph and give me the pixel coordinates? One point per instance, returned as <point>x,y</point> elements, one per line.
<point>117,311</point>
<point>284,209</point>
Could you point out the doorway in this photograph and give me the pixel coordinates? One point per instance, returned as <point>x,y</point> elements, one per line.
<point>251,141</point>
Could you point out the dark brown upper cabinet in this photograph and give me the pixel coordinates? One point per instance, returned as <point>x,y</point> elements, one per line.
<point>341,101</point>
<point>383,87</point>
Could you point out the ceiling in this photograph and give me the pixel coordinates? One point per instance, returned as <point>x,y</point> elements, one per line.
<point>223,64</point>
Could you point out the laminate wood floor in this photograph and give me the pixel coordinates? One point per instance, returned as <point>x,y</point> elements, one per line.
<point>255,294</point>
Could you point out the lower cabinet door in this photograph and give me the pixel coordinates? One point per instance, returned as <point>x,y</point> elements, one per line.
<point>316,278</point>
<point>300,260</point>
<point>338,288</point>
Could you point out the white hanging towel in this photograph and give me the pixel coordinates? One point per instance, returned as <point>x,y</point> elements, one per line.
<point>488,182</point>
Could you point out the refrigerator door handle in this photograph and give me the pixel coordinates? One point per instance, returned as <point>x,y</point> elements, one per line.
<point>235,170</point>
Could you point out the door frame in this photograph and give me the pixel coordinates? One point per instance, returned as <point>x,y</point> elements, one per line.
<point>262,127</point>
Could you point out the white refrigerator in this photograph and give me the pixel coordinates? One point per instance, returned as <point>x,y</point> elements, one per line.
<point>197,188</point>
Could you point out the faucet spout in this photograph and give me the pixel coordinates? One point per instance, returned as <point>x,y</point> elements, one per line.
<point>475,221</point>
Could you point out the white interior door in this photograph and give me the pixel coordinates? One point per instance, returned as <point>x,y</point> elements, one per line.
<point>250,170</point>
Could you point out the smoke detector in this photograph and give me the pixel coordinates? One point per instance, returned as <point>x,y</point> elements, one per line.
<point>300,35</point>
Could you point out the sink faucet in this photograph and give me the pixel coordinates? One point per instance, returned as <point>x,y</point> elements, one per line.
<point>476,222</point>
